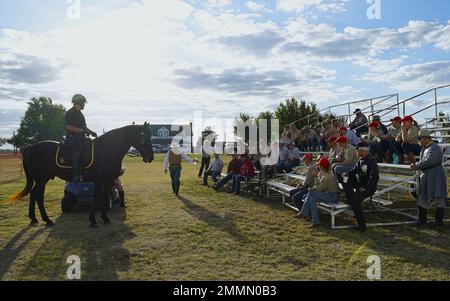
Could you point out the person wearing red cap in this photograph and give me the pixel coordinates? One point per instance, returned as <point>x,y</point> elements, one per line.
<point>351,136</point>
<point>387,143</point>
<point>325,191</point>
<point>334,149</point>
<point>374,139</point>
<point>346,159</point>
<point>302,189</point>
<point>409,139</point>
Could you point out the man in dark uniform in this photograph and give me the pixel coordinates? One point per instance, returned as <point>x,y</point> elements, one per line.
<point>76,130</point>
<point>364,178</point>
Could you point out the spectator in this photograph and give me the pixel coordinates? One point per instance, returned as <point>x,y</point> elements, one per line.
<point>383,127</point>
<point>246,173</point>
<point>293,158</point>
<point>346,159</point>
<point>433,181</point>
<point>206,159</point>
<point>359,124</point>
<point>334,149</point>
<point>327,132</point>
<point>215,170</point>
<point>326,191</point>
<point>351,136</point>
<point>387,143</point>
<point>284,157</point>
<point>297,195</point>
<point>374,139</point>
<point>256,162</point>
<point>234,167</point>
<point>364,179</point>
<point>408,138</point>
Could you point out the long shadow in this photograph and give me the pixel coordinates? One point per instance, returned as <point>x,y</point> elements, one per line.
<point>225,224</point>
<point>100,250</point>
<point>404,242</point>
<point>10,253</point>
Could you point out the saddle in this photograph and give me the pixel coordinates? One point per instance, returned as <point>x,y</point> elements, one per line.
<point>64,155</point>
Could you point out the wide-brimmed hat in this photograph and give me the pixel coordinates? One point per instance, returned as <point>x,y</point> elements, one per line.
<point>424,134</point>
<point>357,111</point>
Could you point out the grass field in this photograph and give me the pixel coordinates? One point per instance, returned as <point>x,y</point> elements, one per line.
<point>203,235</point>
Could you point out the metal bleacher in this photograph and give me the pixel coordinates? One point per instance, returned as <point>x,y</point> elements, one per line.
<point>394,179</point>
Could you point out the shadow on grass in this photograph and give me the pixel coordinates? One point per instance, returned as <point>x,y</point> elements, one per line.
<point>225,224</point>
<point>101,250</point>
<point>10,252</point>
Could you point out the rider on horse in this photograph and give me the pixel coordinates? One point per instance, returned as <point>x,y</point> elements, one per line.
<point>76,130</point>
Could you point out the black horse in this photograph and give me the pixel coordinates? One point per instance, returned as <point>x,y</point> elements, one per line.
<point>40,166</point>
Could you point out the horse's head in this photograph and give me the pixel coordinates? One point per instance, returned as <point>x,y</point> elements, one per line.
<point>144,145</point>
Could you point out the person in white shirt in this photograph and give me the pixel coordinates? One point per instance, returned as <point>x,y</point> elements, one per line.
<point>293,158</point>
<point>172,162</point>
<point>215,170</point>
<point>284,157</point>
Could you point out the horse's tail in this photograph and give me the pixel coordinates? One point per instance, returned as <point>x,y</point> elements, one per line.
<point>29,185</point>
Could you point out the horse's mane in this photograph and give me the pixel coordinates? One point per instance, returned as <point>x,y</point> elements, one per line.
<point>126,130</point>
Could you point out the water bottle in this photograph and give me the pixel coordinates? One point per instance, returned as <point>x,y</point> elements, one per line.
<point>396,159</point>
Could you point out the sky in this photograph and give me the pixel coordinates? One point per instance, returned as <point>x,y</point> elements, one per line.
<point>162,61</point>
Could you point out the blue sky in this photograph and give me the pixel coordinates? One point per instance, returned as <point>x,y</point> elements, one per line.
<point>160,61</point>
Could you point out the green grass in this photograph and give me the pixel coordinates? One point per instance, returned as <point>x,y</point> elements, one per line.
<point>204,236</point>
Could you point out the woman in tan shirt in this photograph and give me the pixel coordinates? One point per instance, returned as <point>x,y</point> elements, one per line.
<point>409,139</point>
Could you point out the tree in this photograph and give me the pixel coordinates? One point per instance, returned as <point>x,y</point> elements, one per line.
<point>291,110</point>
<point>43,120</point>
<point>2,141</point>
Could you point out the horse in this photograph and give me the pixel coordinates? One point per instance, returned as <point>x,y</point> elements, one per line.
<point>40,167</point>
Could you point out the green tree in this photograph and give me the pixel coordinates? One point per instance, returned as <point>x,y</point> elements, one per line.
<point>291,110</point>
<point>43,120</point>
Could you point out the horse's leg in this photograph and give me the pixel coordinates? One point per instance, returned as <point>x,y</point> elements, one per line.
<point>39,190</point>
<point>92,212</point>
<point>104,203</point>
<point>32,208</point>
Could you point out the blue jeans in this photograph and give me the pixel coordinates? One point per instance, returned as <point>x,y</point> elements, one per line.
<point>340,169</point>
<point>310,205</point>
<point>175,174</point>
<point>297,195</point>
<point>237,183</point>
<point>225,180</point>
<point>292,164</point>
<point>214,175</point>
<point>281,166</point>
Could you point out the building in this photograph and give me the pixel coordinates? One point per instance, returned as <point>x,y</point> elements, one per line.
<point>162,135</point>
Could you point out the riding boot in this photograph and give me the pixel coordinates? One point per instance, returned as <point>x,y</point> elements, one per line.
<point>76,167</point>
<point>439,217</point>
<point>422,217</point>
<point>122,199</point>
<point>401,159</point>
<point>411,158</point>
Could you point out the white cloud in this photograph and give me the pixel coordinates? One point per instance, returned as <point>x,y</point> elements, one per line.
<point>255,6</point>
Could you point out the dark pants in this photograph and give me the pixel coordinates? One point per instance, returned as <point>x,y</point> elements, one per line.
<point>214,175</point>
<point>204,166</point>
<point>355,200</point>
<point>225,180</point>
<point>76,144</point>
<point>324,145</point>
<point>292,164</point>
<point>297,196</point>
<point>237,183</point>
<point>411,148</point>
<point>361,131</point>
<point>175,174</point>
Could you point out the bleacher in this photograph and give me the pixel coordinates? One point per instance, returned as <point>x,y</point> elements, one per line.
<point>394,179</point>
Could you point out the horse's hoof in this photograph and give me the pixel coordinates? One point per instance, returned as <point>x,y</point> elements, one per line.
<point>34,222</point>
<point>93,226</point>
<point>50,224</point>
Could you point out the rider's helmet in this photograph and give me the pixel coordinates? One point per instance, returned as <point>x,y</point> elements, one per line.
<point>78,99</point>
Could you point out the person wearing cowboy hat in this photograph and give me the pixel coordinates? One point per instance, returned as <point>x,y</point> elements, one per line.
<point>172,162</point>
<point>297,195</point>
<point>432,180</point>
<point>76,129</point>
<point>326,190</point>
<point>408,139</point>
<point>359,124</point>
<point>364,178</point>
